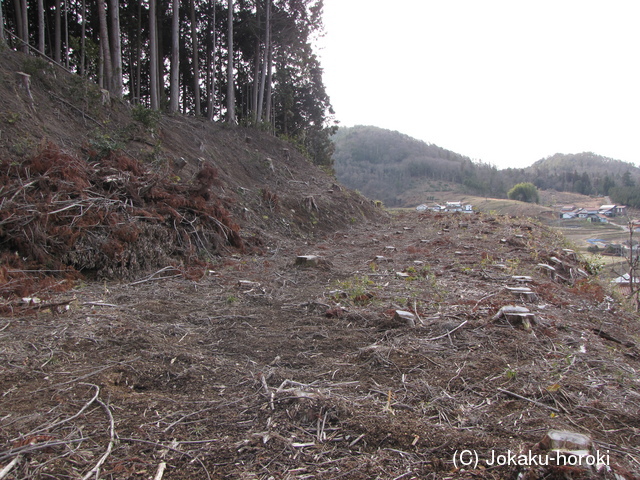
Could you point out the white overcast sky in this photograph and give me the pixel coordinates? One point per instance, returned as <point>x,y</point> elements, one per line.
<point>507,82</point>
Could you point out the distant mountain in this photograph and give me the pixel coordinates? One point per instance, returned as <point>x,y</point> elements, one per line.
<point>585,172</point>
<point>589,174</point>
<point>586,161</point>
<point>384,164</point>
<point>392,167</point>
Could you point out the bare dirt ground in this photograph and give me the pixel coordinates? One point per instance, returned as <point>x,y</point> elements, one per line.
<point>265,369</point>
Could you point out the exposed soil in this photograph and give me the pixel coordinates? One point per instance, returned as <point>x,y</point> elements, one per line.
<point>232,361</point>
<point>304,373</point>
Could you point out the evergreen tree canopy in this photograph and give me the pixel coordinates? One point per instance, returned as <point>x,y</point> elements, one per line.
<point>276,78</point>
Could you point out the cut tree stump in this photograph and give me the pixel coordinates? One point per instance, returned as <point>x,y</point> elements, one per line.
<point>565,441</point>
<point>522,278</point>
<point>308,260</point>
<point>406,317</point>
<point>524,292</point>
<point>25,80</point>
<point>519,317</point>
<point>548,269</point>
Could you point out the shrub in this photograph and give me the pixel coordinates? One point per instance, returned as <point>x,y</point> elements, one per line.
<point>524,192</point>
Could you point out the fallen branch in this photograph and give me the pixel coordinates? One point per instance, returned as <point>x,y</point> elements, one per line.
<point>37,446</point>
<point>90,374</point>
<point>357,440</point>
<point>5,471</point>
<point>607,336</point>
<point>83,113</point>
<point>475,307</point>
<point>268,391</point>
<point>415,310</point>
<point>151,278</point>
<point>160,472</point>
<point>61,422</point>
<point>187,416</point>
<point>448,333</point>
<point>112,439</point>
<point>99,304</point>
<point>148,442</point>
<point>535,402</point>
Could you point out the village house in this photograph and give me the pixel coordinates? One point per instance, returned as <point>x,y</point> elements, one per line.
<point>623,284</point>
<point>608,210</point>
<point>602,215</point>
<point>458,207</point>
<point>613,210</point>
<point>448,207</point>
<point>569,211</point>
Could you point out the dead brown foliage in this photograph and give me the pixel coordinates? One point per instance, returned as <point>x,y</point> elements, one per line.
<point>107,218</point>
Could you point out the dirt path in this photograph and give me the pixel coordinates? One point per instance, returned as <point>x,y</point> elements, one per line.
<point>264,369</point>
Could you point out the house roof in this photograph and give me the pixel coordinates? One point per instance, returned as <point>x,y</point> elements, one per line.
<point>625,279</point>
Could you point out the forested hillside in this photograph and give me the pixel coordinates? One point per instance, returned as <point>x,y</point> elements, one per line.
<point>384,165</point>
<point>588,174</point>
<point>247,62</point>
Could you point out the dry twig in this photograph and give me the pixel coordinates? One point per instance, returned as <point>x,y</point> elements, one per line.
<point>61,422</point>
<point>535,402</point>
<point>446,334</point>
<point>112,433</point>
<point>5,471</point>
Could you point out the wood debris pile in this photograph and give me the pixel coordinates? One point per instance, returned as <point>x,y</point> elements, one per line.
<point>103,217</point>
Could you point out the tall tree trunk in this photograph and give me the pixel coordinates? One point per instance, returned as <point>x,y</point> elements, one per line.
<point>256,83</point>
<point>23,33</point>
<point>267,101</point>
<point>196,60</point>
<point>133,61</point>
<point>174,83</point>
<point>66,34</point>
<point>83,39</point>
<point>211,65</point>
<point>231,96</point>
<point>138,59</point>
<point>100,68</point>
<point>3,39</point>
<point>265,60</point>
<point>184,95</point>
<point>41,44</point>
<point>17,9</point>
<point>104,45</point>
<point>25,26</point>
<point>116,47</point>
<point>153,57</point>
<point>256,69</point>
<point>57,33</point>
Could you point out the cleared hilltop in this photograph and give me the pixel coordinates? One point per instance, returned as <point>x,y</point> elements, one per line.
<point>187,300</point>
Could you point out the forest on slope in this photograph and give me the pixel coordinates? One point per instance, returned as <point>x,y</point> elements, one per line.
<point>246,62</point>
<point>384,164</point>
